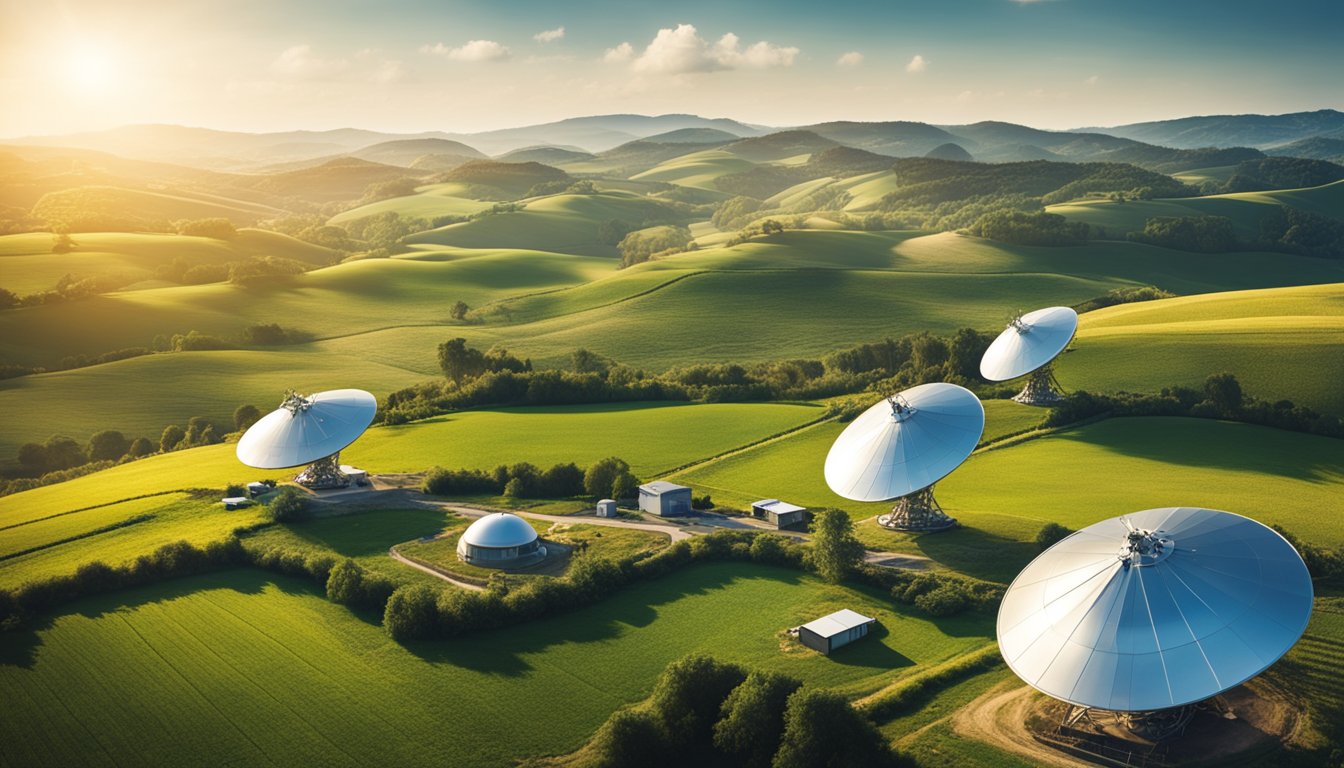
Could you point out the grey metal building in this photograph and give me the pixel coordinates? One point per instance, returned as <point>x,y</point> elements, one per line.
<point>832,631</point>
<point>781,513</point>
<point>665,499</point>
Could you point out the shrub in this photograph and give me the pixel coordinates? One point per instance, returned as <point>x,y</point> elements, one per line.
<point>688,696</point>
<point>411,612</point>
<point>702,502</point>
<point>631,738</point>
<point>753,718</point>
<point>1050,534</point>
<point>290,505</point>
<point>822,729</point>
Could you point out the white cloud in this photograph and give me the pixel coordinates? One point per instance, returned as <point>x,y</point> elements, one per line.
<point>917,64</point>
<point>549,35</point>
<point>851,59</point>
<point>1091,81</point>
<point>474,50</point>
<point>621,53</point>
<point>299,62</point>
<point>683,50</point>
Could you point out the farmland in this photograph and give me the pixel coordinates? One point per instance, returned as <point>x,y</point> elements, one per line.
<point>237,661</point>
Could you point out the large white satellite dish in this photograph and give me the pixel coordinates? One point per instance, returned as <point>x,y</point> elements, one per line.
<point>903,445</point>
<point>311,431</point>
<point>1030,344</point>
<point>1155,609</point>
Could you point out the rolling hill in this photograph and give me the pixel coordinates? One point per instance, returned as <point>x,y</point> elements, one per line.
<point>1260,131</point>
<point>339,179</point>
<point>546,155</point>
<point>405,152</point>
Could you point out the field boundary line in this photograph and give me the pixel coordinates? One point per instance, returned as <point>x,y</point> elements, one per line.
<point>95,506</point>
<point>127,523</point>
<point>748,446</point>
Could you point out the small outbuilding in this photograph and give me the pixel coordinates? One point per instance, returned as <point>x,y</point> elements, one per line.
<point>830,632</point>
<point>500,540</point>
<point>357,476</point>
<point>665,499</point>
<point>606,508</point>
<point>780,513</point>
<point>236,502</point>
<point>256,489</point>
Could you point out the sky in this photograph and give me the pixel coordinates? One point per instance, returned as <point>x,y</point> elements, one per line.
<point>418,65</point>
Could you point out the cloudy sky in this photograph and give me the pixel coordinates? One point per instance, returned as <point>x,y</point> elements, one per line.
<point>412,65</point>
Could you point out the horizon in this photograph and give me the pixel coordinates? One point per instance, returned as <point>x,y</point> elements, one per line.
<point>464,68</point>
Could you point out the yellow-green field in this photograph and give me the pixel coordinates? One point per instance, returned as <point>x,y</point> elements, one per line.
<point>1282,343</point>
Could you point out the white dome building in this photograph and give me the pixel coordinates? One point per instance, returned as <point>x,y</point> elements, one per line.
<point>500,540</point>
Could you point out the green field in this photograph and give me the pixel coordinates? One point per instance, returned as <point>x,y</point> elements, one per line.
<point>245,668</point>
<point>1245,209</point>
<point>653,438</point>
<point>448,199</point>
<point>1076,477</point>
<point>1282,343</point>
<point>29,266</point>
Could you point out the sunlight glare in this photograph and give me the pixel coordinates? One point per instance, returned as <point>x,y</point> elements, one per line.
<point>91,70</point>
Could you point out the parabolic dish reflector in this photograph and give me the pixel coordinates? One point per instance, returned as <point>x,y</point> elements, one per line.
<point>905,443</point>
<point>1028,343</point>
<point>1155,609</point>
<point>298,434</point>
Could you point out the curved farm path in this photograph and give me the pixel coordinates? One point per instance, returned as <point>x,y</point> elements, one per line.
<point>400,558</point>
<point>998,718</point>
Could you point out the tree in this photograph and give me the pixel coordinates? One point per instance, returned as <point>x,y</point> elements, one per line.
<point>822,729</point>
<point>8,299</point>
<point>625,486</point>
<point>687,699</point>
<point>345,583</point>
<point>460,362</point>
<point>290,505</point>
<point>584,361</point>
<point>835,550</point>
<point>562,481</point>
<point>459,311</point>
<point>771,227</point>
<point>33,457</point>
<point>108,445</point>
<point>140,446</point>
<point>172,437</point>
<point>269,334</point>
<point>628,738</point>
<point>1050,534</point>
<point>753,718</point>
<point>245,416</point>
<point>601,477</point>
<point>1224,392</point>
<point>411,612</point>
<point>200,431</point>
<point>63,453</point>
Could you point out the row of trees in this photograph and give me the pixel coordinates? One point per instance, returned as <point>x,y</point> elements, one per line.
<point>710,713</point>
<point>609,477</point>
<point>1286,229</point>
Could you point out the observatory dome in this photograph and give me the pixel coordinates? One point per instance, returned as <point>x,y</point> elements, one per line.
<point>500,540</point>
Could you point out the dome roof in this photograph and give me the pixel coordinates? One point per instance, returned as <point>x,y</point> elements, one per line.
<point>499,530</point>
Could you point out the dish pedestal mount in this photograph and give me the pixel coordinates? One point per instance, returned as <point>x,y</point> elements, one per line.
<point>917,511</point>
<point>323,474</point>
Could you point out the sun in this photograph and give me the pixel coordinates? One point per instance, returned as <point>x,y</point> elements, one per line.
<point>90,69</point>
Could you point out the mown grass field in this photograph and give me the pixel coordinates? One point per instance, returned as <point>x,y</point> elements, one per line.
<point>245,668</point>
<point>429,201</point>
<point>1282,343</point>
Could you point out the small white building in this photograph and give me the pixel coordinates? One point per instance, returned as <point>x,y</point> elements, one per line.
<point>257,489</point>
<point>781,513</point>
<point>606,508</point>
<point>500,540</point>
<point>665,499</point>
<point>236,502</point>
<point>834,630</point>
<point>357,476</point>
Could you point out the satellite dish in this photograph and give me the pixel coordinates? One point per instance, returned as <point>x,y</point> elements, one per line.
<point>311,431</point>
<point>903,445</point>
<point>1156,609</point>
<point>1030,344</point>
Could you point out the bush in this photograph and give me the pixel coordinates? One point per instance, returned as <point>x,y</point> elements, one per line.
<point>753,718</point>
<point>702,502</point>
<point>631,738</point>
<point>290,505</point>
<point>411,612</point>
<point>1050,534</point>
<point>822,729</point>
<point>1204,234</point>
<point>687,699</point>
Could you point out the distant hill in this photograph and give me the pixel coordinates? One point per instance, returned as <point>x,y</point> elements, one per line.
<point>999,142</point>
<point>949,151</point>
<point>404,152</point>
<point>513,180</point>
<point>439,163</point>
<point>598,132</point>
<point>339,179</point>
<point>1315,148</point>
<point>640,155</point>
<point>694,136</point>
<point>895,138</point>
<point>779,146</point>
<point>543,154</point>
<point>1258,131</point>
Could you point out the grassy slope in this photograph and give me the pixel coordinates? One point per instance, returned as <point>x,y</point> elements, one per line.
<point>369,294</point>
<point>652,438</point>
<point>1077,477</point>
<point>562,224</point>
<point>427,202</point>
<point>28,265</point>
<point>698,169</point>
<point>1245,209</point>
<point>1281,343</point>
<point>240,667</point>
